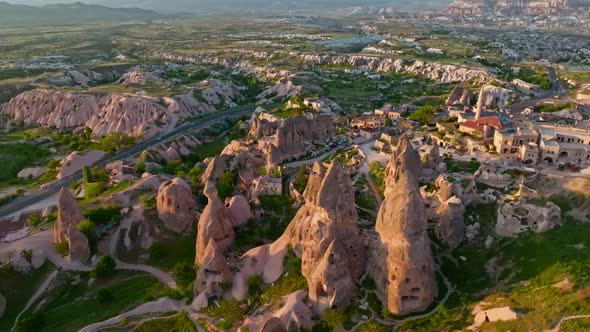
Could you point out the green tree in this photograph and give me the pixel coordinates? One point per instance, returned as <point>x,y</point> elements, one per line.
<point>34,220</point>
<point>226,184</point>
<point>333,319</point>
<point>140,167</point>
<point>93,189</point>
<point>53,164</point>
<point>104,267</point>
<point>87,174</point>
<point>88,228</point>
<point>184,273</point>
<point>148,202</point>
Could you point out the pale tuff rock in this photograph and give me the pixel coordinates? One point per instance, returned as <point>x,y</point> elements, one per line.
<point>78,244</point>
<point>471,231</point>
<point>69,215</point>
<point>492,315</point>
<point>282,89</point>
<point>140,77</point>
<point>76,160</point>
<point>33,172</point>
<point>176,206</point>
<point>514,7</point>
<point>447,189</point>
<point>213,273</point>
<point>221,93</point>
<point>402,264</point>
<point>491,95</point>
<point>450,228</point>
<point>518,216</point>
<point>460,96</point>
<point>239,210</point>
<point>101,113</point>
<point>433,71</point>
<point>434,158</point>
<point>274,325</point>
<point>293,313</point>
<point>324,233</point>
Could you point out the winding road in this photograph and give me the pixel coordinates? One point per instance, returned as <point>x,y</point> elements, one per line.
<point>199,124</point>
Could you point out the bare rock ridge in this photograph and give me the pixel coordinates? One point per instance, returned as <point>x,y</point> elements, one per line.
<point>69,215</point>
<point>461,96</point>
<point>291,137</point>
<point>103,113</point>
<point>402,264</point>
<point>325,234</point>
<point>515,7</point>
<point>176,206</point>
<point>433,71</point>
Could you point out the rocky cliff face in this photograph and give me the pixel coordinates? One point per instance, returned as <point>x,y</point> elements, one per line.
<point>518,216</point>
<point>113,112</point>
<point>515,7</point>
<point>460,96</point>
<point>69,215</point>
<point>402,264</point>
<point>294,133</point>
<point>433,71</point>
<point>324,233</point>
<point>176,206</point>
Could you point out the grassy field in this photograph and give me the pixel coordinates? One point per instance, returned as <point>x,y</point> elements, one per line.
<point>72,305</point>
<point>15,157</point>
<point>18,287</point>
<point>521,274</point>
<point>178,323</point>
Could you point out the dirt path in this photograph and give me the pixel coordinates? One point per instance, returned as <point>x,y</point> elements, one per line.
<point>162,305</point>
<point>162,276</point>
<point>563,320</point>
<point>36,296</point>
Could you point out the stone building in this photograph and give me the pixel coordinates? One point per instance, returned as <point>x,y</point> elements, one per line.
<point>564,144</point>
<point>518,144</point>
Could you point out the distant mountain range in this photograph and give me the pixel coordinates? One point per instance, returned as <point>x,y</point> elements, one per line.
<point>249,7</point>
<point>72,12</point>
<point>516,7</point>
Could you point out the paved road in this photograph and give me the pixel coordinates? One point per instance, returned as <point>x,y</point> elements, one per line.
<point>201,123</point>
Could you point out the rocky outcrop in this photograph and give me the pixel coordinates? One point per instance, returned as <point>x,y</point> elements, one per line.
<point>518,216</point>
<point>325,234</point>
<point>434,158</point>
<point>401,262</point>
<point>450,228</point>
<point>78,245</point>
<point>140,77</point>
<point>176,206</point>
<point>295,134</point>
<point>239,210</point>
<point>493,96</point>
<point>460,96</point>
<point>103,114</point>
<point>433,71</point>
<point>293,313</point>
<point>76,161</point>
<point>514,7</point>
<point>282,89</point>
<point>69,215</point>
<point>212,275</point>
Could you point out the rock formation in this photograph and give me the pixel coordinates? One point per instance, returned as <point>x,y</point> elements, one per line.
<point>69,215</point>
<point>75,161</point>
<point>274,324</point>
<point>324,233</point>
<point>434,158</point>
<point>518,216</point>
<point>514,7</point>
<point>213,273</point>
<point>460,96</point>
<point>402,264</point>
<point>294,313</point>
<point>490,96</point>
<point>450,228</point>
<point>433,71</point>
<point>176,206</point>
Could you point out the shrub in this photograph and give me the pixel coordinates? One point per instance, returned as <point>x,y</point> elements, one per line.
<point>225,184</point>
<point>140,167</point>
<point>104,268</point>
<point>147,201</point>
<point>156,250</point>
<point>104,214</point>
<point>184,273</point>
<point>34,220</point>
<point>63,248</point>
<point>88,228</point>
<point>93,189</point>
